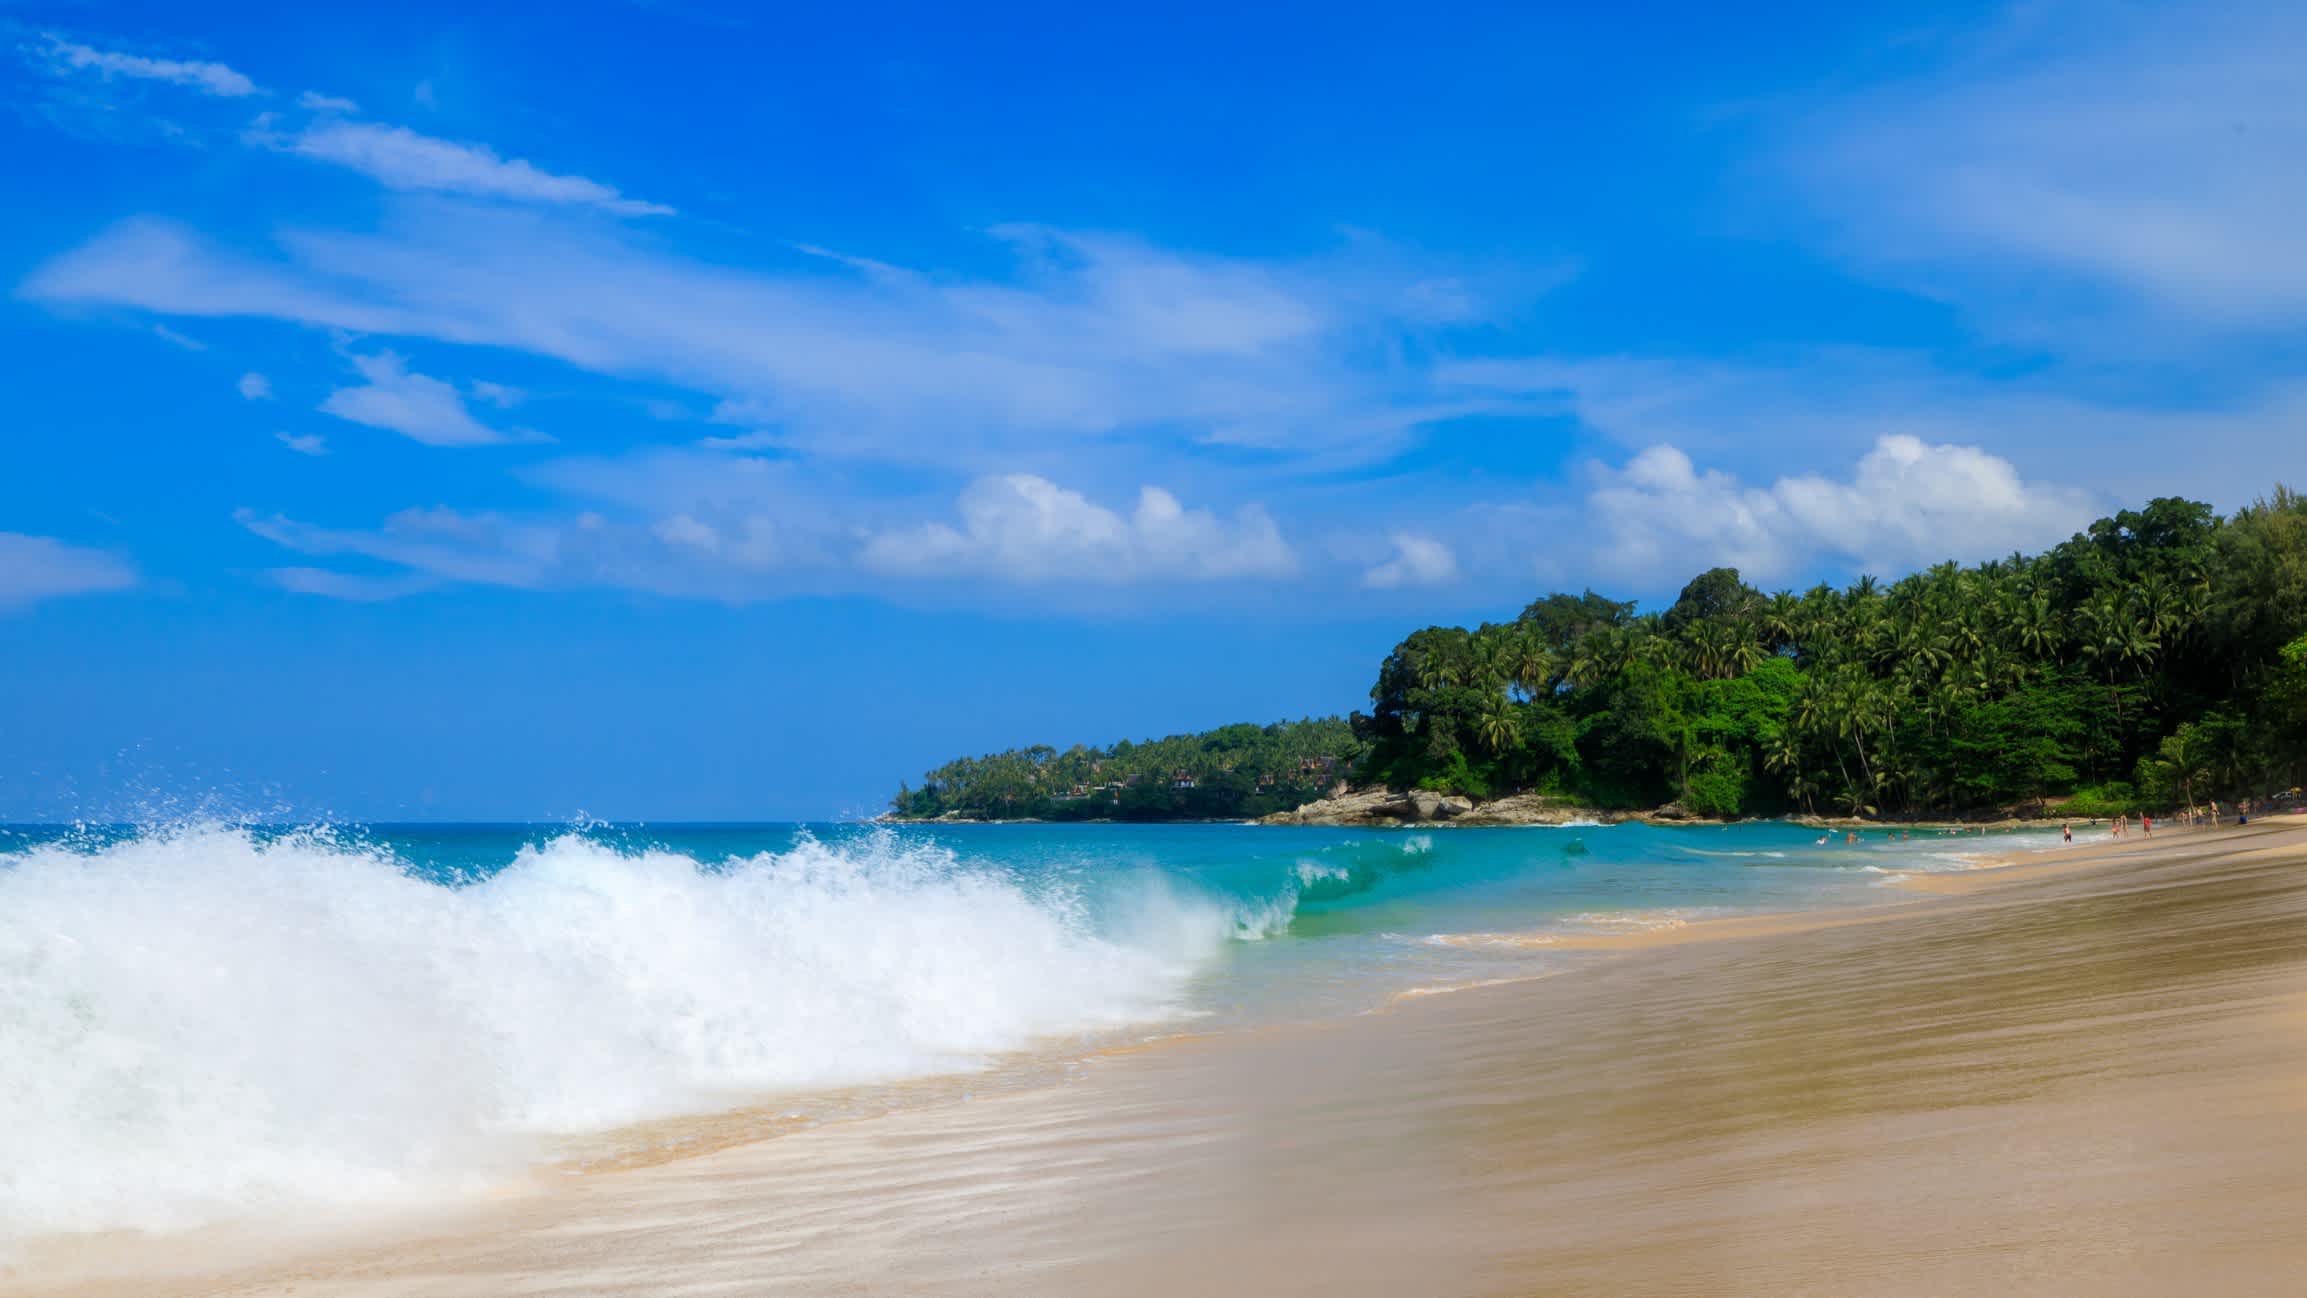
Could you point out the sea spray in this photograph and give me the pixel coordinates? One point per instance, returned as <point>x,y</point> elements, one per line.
<point>211,1021</point>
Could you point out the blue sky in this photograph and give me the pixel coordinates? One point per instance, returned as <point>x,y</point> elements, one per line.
<point>686,410</point>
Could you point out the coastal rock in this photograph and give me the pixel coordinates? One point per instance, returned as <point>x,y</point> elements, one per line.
<point>1428,805</point>
<point>1383,807</point>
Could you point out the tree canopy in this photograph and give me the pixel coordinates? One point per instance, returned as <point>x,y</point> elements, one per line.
<point>1233,772</point>
<point>2157,658</point>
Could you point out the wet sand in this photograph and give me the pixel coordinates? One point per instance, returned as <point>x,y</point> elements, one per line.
<point>2085,1076</point>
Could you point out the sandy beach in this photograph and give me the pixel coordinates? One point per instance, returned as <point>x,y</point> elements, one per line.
<point>2086,1075</point>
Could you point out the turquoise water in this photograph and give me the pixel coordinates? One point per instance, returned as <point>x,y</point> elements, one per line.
<point>208,1021</point>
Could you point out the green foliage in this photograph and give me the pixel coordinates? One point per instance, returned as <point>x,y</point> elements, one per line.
<point>2005,685</point>
<point>2165,646</point>
<point>1233,772</point>
<point>2099,802</point>
<point>1458,776</point>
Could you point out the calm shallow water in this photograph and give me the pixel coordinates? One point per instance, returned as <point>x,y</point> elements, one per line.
<point>205,1021</point>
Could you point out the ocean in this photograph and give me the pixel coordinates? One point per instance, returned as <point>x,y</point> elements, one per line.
<point>215,1022</point>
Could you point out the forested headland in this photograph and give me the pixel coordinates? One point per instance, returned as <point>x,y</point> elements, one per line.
<point>1232,773</point>
<point>2155,660</point>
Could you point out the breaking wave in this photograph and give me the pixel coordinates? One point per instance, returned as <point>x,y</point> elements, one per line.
<point>207,1021</point>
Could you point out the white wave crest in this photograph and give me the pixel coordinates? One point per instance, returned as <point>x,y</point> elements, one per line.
<point>205,1023</point>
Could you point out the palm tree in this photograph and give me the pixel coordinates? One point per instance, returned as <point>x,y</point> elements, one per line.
<point>1782,621</point>
<point>1499,727</point>
<point>1532,665</point>
<point>2035,627</point>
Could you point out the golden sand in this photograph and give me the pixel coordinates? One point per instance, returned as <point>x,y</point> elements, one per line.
<point>2080,1077</point>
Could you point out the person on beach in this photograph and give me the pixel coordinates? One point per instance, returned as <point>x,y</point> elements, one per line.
<point>2067,833</point>
<point>2146,825</point>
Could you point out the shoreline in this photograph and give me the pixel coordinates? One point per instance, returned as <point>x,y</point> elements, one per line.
<point>1133,1102</point>
<point>1417,809</point>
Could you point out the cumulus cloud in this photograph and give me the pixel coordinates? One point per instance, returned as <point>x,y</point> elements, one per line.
<point>208,78</point>
<point>1835,403</point>
<point>1418,561</point>
<point>255,386</point>
<point>34,568</point>
<point>1907,504</point>
<point>399,158</point>
<point>1023,528</point>
<point>414,405</point>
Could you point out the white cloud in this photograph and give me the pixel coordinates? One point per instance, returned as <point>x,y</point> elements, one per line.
<point>303,443</point>
<point>439,542</point>
<point>719,555</point>
<point>1906,505</point>
<point>680,529</point>
<point>760,439</point>
<point>2078,157</point>
<point>207,78</point>
<point>1832,403</point>
<point>399,158</point>
<point>1091,337</point>
<point>34,568</point>
<point>330,584</point>
<point>255,386</point>
<point>496,394</point>
<point>317,102</point>
<point>1418,561</point>
<point>170,336</point>
<point>413,405</point>
<point>1023,528</point>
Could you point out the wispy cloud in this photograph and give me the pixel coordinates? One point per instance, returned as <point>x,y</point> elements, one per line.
<point>414,405</point>
<point>34,568</point>
<point>207,78</point>
<point>1091,338</point>
<point>255,387</point>
<point>314,101</point>
<point>399,158</point>
<point>303,443</point>
<point>2077,158</point>
<point>356,588</point>
<point>437,542</point>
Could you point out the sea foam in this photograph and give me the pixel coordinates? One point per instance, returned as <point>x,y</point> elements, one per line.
<point>205,1022</point>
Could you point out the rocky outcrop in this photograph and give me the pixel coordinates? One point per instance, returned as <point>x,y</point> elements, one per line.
<point>1384,807</point>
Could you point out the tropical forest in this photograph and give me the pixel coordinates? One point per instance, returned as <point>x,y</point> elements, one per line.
<point>2156,660</point>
